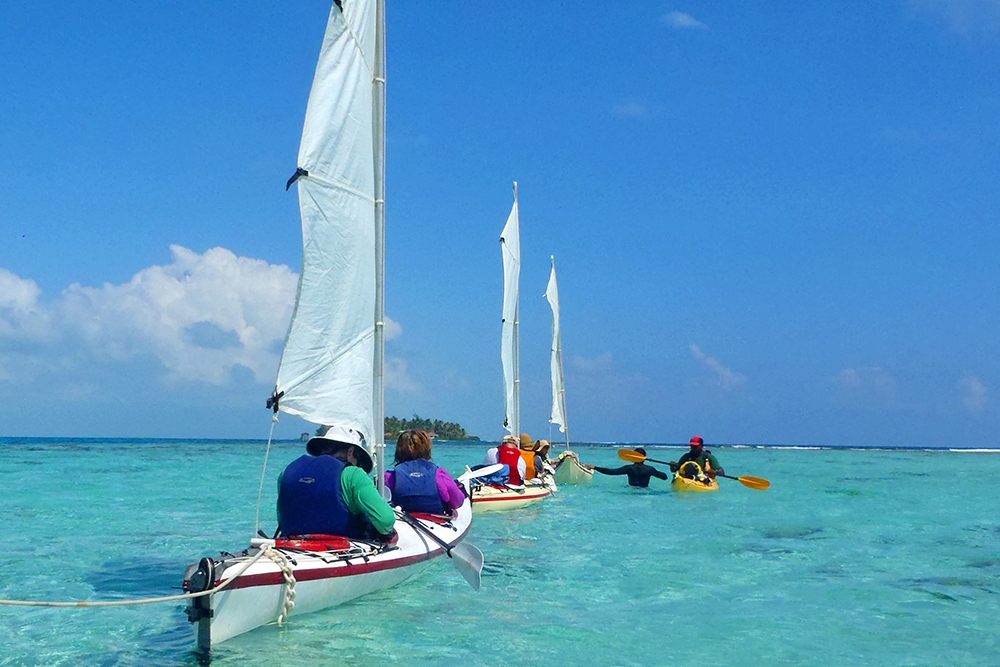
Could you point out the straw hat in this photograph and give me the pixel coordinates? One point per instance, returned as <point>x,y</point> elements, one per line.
<point>525,440</point>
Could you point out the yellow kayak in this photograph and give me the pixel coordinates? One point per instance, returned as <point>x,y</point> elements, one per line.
<point>685,484</point>
<point>694,479</point>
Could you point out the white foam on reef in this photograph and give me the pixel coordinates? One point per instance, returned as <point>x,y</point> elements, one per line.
<point>976,451</point>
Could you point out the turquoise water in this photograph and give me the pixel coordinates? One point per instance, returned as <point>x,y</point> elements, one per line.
<point>851,558</point>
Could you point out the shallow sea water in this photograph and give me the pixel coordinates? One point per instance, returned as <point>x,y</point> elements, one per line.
<point>851,558</point>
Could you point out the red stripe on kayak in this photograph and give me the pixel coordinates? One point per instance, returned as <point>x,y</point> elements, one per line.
<point>518,497</point>
<point>347,570</point>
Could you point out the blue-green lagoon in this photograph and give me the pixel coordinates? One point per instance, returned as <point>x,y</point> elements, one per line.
<point>852,557</point>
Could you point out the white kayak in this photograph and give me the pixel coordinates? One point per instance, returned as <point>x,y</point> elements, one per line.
<point>488,497</point>
<point>569,470</point>
<point>274,579</point>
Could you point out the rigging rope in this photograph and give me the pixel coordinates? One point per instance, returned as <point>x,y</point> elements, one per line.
<point>124,603</point>
<point>263,474</point>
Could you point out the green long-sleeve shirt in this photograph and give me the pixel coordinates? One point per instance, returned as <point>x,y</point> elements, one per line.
<point>362,497</point>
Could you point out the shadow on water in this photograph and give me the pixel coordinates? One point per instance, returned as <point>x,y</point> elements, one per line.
<point>143,577</point>
<point>925,584</point>
<point>499,566</point>
<point>791,533</point>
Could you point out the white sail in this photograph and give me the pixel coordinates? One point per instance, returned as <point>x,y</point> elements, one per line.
<point>558,389</point>
<point>326,372</point>
<point>510,242</point>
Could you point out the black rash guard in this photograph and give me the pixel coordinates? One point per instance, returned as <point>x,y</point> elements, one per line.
<point>638,473</point>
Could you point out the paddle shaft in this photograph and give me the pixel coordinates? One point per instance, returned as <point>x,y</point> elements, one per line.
<point>425,530</point>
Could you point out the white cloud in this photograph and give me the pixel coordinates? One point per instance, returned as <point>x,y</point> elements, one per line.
<point>246,302</point>
<point>397,376</point>
<point>391,329</point>
<point>727,378</point>
<point>601,364</point>
<point>21,314</point>
<point>682,21</point>
<point>201,317</point>
<point>976,393</point>
<point>962,17</point>
<point>872,378</point>
<point>630,109</point>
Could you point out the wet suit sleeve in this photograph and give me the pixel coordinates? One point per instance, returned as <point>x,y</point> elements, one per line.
<point>612,471</point>
<point>362,497</point>
<point>658,473</point>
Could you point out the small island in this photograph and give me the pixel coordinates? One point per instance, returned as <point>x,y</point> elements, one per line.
<point>437,429</point>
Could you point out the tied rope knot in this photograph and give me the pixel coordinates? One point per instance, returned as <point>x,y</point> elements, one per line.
<point>282,561</point>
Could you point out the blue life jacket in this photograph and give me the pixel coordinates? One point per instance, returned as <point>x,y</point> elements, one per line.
<point>311,499</point>
<point>416,488</point>
<point>499,478</point>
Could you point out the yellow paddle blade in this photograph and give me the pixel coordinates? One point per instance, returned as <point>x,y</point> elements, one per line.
<point>631,456</point>
<point>758,483</point>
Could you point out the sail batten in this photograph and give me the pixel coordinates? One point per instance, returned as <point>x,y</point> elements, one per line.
<point>510,241</point>
<point>327,370</point>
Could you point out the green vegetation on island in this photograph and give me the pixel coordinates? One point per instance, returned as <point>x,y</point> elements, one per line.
<point>440,429</point>
<point>437,428</point>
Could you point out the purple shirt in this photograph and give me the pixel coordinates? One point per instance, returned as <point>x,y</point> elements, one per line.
<point>451,495</point>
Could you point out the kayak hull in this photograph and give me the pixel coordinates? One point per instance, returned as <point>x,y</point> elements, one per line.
<point>569,470</point>
<point>258,594</point>
<point>488,498</point>
<point>690,485</point>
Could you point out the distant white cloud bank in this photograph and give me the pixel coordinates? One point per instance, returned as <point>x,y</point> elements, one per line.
<point>201,317</point>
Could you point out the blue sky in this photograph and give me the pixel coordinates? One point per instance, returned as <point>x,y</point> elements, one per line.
<point>773,222</point>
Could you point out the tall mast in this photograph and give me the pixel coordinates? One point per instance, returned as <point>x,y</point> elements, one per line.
<point>378,368</point>
<point>517,335</point>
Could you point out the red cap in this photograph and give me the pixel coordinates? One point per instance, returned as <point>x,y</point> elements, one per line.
<point>696,441</point>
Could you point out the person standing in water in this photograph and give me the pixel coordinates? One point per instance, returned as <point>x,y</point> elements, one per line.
<point>638,473</point>
<point>697,454</point>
